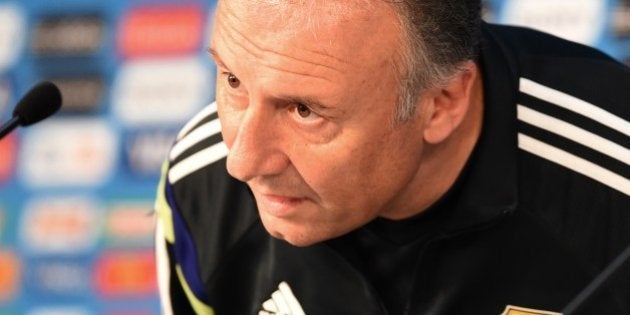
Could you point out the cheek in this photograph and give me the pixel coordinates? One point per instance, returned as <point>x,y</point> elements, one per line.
<point>229,119</point>
<point>336,173</point>
<point>361,178</point>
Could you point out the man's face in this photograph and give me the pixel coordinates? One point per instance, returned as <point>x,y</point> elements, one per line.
<point>306,96</point>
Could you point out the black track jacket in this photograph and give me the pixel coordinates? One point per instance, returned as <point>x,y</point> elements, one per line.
<point>544,206</point>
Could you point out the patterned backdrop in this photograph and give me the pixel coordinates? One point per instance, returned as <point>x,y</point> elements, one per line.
<point>76,191</point>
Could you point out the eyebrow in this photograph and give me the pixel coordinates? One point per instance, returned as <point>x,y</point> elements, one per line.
<point>308,101</point>
<point>215,56</point>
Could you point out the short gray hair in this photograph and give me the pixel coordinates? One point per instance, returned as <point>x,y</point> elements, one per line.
<point>438,35</point>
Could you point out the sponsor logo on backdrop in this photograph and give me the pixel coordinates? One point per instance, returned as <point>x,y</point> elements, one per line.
<point>8,226</point>
<point>131,223</point>
<point>8,147</point>
<point>80,94</point>
<point>157,92</point>
<point>58,310</point>
<point>161,30</point>
<point>12,34</point>
<point>130,312</point>
<point>145,151</point>
<point>68,35</point>
<point>68,152</point>
<point>621,19</point>
<point>125,274</point>
<point>10,274</point>
<point>59,277</point>
<point>577,20</point>
<point>2,222</point>
<point>61,225</point>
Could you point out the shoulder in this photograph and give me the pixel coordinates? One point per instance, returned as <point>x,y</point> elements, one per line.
<point>573,134</point>
<point>210,210</point>
<point>527,41</point>
<point>572,68</point>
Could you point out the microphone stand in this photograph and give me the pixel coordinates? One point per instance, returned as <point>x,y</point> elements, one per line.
<point>9,126</point>
<point>575,304</point>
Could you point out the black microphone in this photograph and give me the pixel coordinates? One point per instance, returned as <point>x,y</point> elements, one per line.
<point>43,100</point>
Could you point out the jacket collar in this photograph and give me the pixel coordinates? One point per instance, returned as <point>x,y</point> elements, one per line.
<point>489,187</point>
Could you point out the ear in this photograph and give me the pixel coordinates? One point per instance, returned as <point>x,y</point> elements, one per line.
<point>449,104</point>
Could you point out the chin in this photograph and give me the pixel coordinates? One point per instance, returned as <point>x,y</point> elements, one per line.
<point>292,234</point>
<point>301,241</point>
<point>295,239</point>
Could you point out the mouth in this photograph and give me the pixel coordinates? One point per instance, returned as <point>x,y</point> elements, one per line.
<point>278,205</point>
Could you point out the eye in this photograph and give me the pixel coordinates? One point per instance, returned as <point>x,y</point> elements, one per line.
<point>233,81</point>
<point>303,110</point>
<point>304,114</point>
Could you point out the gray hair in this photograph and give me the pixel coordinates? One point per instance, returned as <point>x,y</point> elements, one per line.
<point>438,35</point>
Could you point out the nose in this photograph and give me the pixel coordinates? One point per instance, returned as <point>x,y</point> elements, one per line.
<point>256,147</point>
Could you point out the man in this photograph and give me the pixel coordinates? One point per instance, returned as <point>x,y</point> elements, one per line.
<point>379,157</point>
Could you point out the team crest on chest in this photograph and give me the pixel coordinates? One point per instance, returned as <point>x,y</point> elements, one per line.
<point>515,310</point>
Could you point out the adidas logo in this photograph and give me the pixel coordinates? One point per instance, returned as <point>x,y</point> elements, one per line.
<point>282,302</point>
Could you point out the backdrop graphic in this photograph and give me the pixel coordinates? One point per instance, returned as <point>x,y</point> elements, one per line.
<point>76,191</point>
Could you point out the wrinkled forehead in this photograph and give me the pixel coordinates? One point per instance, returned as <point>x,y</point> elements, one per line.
<point>337,6</point>
<point>349,27</point>
<point>311,12</point>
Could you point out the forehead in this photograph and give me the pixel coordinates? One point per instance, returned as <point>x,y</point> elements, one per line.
<point>343,29</point>
<point>288,9</point>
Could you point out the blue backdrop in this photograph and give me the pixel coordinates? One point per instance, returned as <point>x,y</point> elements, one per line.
<point>76,191</point>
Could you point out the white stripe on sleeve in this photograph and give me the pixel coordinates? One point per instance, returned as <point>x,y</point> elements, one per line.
<point>574,163</point>
<point>575,104</point>
<point>196,161</point>
<point>573,133</point>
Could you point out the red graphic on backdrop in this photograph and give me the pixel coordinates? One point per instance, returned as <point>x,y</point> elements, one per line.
<point>8,147</point>
<point>125,274</point>
<point>161,30</point>
<point>9,275</point>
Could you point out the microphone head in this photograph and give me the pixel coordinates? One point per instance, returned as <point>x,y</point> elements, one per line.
<point>43,100</point>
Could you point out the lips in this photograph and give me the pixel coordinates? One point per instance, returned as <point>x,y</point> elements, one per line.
<point>278,205</point>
